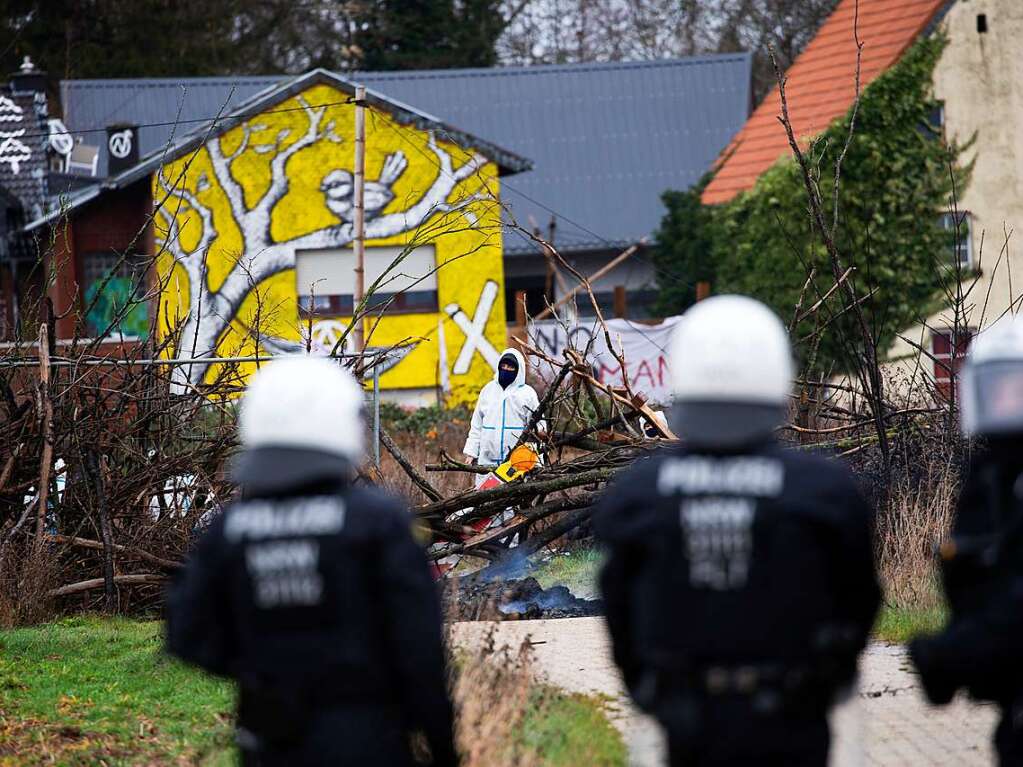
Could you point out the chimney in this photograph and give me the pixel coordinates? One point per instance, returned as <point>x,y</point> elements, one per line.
<point>28,79</point>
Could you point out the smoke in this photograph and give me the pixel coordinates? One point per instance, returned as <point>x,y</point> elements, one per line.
<point>512,564</point>
<point>557,598</point>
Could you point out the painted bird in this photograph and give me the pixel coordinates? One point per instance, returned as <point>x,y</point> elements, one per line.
<point>338,189</point>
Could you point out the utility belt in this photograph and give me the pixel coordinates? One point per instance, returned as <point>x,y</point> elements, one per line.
<point>767,688</point>
<point>744,680</point>
<point>715,681</point>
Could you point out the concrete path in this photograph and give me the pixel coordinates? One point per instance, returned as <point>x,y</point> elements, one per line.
<point>888,723</point>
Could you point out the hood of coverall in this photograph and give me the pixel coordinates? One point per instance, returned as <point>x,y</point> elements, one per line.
<point>520,376</point>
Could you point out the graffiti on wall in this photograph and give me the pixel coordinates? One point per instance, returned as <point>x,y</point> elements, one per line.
<point>116,309</point>
<point>474,330</point>
<point>13,150</point>
<point>236,213</point>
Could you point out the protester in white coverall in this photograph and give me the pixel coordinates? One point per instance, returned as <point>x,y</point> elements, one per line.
<point>503,410</point>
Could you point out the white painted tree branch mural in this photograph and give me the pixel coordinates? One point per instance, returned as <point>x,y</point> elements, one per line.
<point>211,309</point>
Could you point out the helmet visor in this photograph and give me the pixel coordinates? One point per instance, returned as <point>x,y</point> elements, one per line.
<point>998,397</point>
<point>725,425</point>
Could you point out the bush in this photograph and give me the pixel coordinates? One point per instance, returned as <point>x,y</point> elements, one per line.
<point>422,420</point>
<point>895,184</point>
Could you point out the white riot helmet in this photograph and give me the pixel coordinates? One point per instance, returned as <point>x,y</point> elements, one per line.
<point>300,422</point>
<point>991,382</point>
<point>731,369</point>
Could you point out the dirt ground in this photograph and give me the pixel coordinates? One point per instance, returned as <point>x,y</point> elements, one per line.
<point>887,723</point>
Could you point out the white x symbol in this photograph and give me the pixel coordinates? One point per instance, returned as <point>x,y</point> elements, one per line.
<point>474,338</point>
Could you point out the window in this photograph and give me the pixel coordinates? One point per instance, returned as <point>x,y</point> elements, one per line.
<point>535,287</point>
<point>949,354</point>
<point>960,241</point>
<point>933,127</point>
<point>120,309</point>
<point>325,280</point>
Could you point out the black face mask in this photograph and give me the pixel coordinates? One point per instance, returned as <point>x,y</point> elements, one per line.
<point>506,377</point>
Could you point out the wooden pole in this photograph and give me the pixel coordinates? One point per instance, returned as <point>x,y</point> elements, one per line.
<point>95,583</point>
<point>96,468</point>
<point>46,411</point>
<point>620,309</point>
<point>359,210</point>
<point>702,290</point>
<point>548,288</point>
<point>520,308</point>
<point>592,278</point>
<point>553,273</point>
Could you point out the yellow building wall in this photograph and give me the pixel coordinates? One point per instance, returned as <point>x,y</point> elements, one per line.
<point>250,198</point>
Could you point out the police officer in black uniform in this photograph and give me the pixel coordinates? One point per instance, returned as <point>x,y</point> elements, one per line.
<point>311,593</point>
<point>740,583</point>
<point>981,651</point>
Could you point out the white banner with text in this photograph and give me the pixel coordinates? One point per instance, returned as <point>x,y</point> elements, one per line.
<point>643,347</point>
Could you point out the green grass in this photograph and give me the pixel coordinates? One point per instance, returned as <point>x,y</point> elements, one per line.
<point>86,689</point>
<point>570,730</point>
<point>896,624</point>
<point>576,569</point>
<point>89,691</point>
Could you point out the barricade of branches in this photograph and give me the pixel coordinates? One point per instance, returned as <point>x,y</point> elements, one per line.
<point>105,472</point>
<point>584,430</point>
<point>591,435</point>
<point>114,454</point>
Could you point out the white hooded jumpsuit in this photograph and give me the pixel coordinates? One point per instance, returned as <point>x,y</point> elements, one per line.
<point>499,418</point>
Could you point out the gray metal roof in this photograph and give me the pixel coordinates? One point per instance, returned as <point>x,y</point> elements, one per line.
<point>225,119</point>
<point>606,140</point>
<point>172,103</point>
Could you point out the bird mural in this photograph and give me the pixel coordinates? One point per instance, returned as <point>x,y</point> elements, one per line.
<point>338,189</point>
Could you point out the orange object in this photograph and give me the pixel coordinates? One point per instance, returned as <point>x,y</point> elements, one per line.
<point>522,460</point>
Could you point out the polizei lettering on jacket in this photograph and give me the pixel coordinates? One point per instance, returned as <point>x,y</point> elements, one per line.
<point>285,573</point>
<point>263,519</point>
<point>757,476</point>
<point>717,510</point>
<point>718,540</point>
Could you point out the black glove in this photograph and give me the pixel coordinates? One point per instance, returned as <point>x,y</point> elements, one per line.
<point>939,687</point>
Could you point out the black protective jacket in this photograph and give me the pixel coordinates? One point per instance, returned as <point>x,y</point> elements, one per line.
<point>982,572</point>
<point>319,603</point>
<point>761,560</point>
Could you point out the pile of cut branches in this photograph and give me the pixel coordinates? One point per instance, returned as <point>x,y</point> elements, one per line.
<point>593,431</point>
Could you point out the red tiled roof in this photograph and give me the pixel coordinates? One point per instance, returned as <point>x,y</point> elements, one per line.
<point>821,85</point>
